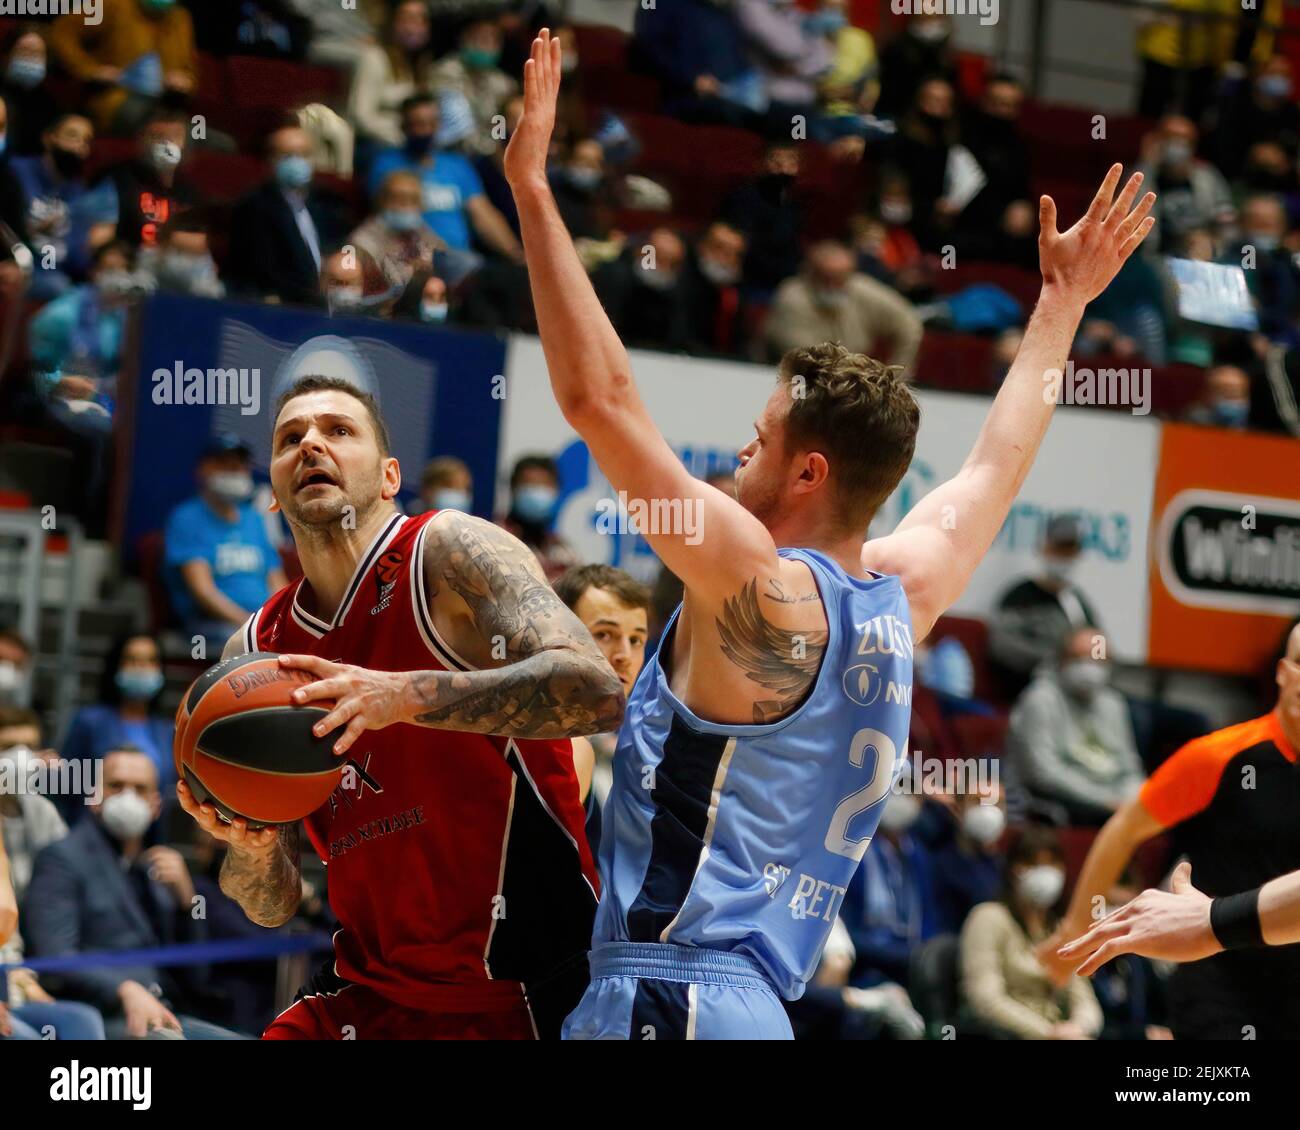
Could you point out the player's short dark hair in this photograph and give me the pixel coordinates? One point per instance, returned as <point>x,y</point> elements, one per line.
<point>573,582</point>
<point>312,383</point>
<point>534,463</point>
<point>860,413</point>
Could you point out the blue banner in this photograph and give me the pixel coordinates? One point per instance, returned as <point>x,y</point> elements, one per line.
<point>200,367</point>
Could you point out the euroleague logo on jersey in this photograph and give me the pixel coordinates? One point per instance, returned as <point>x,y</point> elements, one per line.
<point>387,571</point>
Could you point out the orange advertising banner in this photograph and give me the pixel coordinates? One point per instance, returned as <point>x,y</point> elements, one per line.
<point>1225,549</point>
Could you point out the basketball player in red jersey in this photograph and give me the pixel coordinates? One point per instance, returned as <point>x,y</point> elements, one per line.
<point>457,864</point>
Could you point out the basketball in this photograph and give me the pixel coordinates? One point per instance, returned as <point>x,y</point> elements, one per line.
<point>243,747</point>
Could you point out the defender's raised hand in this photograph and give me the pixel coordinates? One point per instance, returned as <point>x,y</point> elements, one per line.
<point>531,142</point>
<point>1082,262</point>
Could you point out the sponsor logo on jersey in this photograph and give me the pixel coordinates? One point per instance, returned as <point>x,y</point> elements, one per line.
<point>774,876</point>
<point>815,898</point>
<point>863,683</point>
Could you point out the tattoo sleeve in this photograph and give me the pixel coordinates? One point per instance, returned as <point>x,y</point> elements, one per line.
<point>555,683</point>
<point>268,887</point>
<point>784,661</point>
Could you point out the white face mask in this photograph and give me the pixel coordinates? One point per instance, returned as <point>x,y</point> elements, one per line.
<point>1058,568</point>
<point>1041,886</point>
<point>984,823</point>
<point>126,815</point>
<point>231,486</point>
<point>901,811</point>
<point>1084,677</point>
<point>10,678</point>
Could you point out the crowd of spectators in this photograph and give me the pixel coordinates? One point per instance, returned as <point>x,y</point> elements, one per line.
<point>416,223</point>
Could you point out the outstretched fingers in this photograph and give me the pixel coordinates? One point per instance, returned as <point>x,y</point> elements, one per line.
<point>1105,194</point>
<point>1122,206</point>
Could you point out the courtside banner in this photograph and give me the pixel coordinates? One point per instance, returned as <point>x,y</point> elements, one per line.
<point>197,366</point>
<point>1225,549</point>
<point>1097,464</point>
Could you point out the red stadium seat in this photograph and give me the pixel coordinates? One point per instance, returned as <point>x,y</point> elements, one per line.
<point>957,362</point>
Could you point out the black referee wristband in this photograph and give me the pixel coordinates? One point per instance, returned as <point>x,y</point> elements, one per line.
<point>1234,919</point>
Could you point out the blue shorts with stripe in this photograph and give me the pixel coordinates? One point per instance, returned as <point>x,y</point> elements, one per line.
<point>643,991</point>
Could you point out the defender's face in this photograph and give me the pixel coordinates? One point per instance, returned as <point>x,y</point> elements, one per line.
<point>764,462</point>
<point>325,458</point>
<point>619,630</point>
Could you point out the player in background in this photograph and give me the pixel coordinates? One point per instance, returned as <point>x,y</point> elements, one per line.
<point>1186,925</point>
<point>761,743</point>
<point>457,864</point>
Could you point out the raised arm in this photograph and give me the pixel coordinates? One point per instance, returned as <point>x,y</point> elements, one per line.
<point>938,545</point>
<point>539,673</point>
<point>717,544</point>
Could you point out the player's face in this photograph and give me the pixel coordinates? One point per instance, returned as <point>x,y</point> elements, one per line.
<point>619,631</point>
<point>764,465</point>
<point>325,460</point>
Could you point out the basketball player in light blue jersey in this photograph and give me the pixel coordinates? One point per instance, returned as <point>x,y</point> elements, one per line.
<point>760,743</point>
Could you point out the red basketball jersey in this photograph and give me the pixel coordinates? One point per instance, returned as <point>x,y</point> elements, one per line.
<point>454,857</point>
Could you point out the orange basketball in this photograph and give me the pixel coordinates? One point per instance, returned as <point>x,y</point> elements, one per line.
<point>242,745</point>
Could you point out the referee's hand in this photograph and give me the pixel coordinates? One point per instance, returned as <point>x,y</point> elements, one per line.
<point>1166,925</point>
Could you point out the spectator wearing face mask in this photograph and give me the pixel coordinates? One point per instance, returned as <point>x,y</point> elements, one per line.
<point>1274,282</point>
<point>13,201</point>
<point>711,285</point>
<point>1070,739</point>
<point>100,888</point>
<point>65,218</point>
<point>451,193</point>
<point>153,187</point>
<point>139,52</point>
<point>76,340</point>
<point>924,152</point>
<point>1225,401</point>
<point>15,669</point>
<point>580,190</point>
<point>127,712</point>
<point>390,72</point>
<point>396,236</point>
<point>851,87</point>
<point>1033,615</point>
<point>889,906</point>
<point>219,563</point>
<point>643,291</point>
<point>472,71</point>
<point>22,86</point>
<point>766,211</point>
<point>790,56</point>
<point>1001,223</point>
<point>830,301</point>
<point>181,261</point>
<point>29,822</point>
<point>1005,990</point>
<point>884,246</point>
<point>968,864</point>
<point>429,300</point>
<point>534,502</point>
<point>346,280</point>
<point>447,484</point>
<point>1255,109</point>
<point>278,231</point>
<point>907,60</point>
<point>1192,193</point>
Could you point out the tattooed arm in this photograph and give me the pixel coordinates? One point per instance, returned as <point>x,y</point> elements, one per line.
<point>540,674</point>
<point>261,870</point>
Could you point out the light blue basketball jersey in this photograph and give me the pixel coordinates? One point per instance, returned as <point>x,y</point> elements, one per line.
<point>744,838</point>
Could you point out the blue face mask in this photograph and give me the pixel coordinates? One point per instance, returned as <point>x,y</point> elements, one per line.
<point>401,221</point>
<point>449,498</point>
<point>825,23</point>
<point>293,172</point>
<point>535,504</point>
<point>1274,86</point>
<point>433,311</point>
<point>1231,413</point>
<point>26,73</point>
<point>139,686</point>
